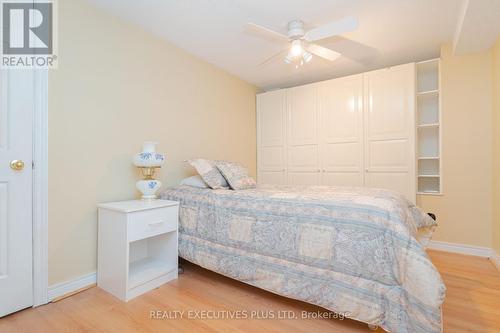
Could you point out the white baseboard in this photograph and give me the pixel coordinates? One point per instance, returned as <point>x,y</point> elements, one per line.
<point>470,250</point>
<point>67,287</point>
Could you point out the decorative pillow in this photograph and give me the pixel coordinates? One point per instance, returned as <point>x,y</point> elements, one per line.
<point>209,172</point>
<point>194,181</point>
<point>236,175</point>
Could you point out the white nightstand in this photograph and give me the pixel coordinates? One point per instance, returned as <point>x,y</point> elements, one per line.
<point>137,246</point>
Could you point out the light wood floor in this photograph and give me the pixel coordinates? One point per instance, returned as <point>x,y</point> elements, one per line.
<point>472,305</point>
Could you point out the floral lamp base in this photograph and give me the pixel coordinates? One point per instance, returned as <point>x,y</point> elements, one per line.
<point>148,188</point>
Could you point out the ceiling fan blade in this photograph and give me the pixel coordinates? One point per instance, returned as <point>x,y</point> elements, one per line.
<point>332,29</point>
<point>355,51</point>
<point>323,52</point>
<point>271,58</point>
<point>265,32</point>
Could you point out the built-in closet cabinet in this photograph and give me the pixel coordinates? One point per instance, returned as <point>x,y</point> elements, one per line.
<point>353,131</point>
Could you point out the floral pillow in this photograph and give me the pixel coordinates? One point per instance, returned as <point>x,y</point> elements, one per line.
<point>209,172</point>
<point>236,175</point>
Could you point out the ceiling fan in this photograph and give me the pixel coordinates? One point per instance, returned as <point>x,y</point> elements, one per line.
<point>301,43</point>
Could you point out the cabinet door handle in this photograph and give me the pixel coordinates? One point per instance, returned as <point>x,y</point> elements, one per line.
<point>152,224</point>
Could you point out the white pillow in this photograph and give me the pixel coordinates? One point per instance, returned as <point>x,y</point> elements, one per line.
<point>194,181</point>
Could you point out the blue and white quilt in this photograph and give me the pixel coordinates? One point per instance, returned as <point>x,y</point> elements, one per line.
<point>351,250</point>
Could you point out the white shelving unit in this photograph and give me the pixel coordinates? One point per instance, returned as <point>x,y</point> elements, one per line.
<point>428,128</point>
<point>150,258</point>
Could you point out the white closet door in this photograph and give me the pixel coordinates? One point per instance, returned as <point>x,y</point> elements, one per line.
<point>389,129</point>
<point>271,149</point>
<point>342,131</point>
<point>303,149</point>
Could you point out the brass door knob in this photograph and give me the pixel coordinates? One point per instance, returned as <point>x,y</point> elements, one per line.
<point>17,165</point>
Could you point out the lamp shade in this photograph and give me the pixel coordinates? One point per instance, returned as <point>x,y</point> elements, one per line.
<point>149,158</point>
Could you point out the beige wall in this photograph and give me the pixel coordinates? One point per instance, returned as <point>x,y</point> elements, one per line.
<point>117,86</point>
<point>496,147</point>
<point>465,209</point>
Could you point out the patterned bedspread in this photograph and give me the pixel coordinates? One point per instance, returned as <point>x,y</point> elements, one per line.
<point>350,250</point>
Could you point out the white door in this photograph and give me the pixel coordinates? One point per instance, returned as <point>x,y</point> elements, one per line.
<point>16,126</point>
<point>271,149</point>
<point>390,129</point>
<point>303,149</point>
<point>341,119</point>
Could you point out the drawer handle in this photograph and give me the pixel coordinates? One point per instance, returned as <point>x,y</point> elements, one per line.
<point>152,224</point>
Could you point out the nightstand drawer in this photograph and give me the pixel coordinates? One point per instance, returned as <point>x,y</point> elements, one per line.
<point>144,224</point>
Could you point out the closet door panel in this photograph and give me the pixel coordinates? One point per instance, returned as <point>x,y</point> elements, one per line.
<point>341,179</point>
<point>393,181</point>
<point>271,118</point>
<point>303,178</point>
<point>342,157</point>
<point>389,116</point>
<point>388,103</point>
<point>302,115</point>
<point>341,119</point>
<point>341,113</point>
<point>272,177</point>
<point>303,158</point>
<point>302,146</point>
<point>271,137</point>
<point>272,158</point>
<point>389,155</point>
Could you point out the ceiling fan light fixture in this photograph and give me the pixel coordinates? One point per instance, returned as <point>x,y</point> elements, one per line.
<point>301,44</point>
<point>296,50</point>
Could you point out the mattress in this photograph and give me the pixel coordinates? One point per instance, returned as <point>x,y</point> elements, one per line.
<point>355,251</point>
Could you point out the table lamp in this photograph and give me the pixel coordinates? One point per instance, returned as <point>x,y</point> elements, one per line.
<point>147,161</point>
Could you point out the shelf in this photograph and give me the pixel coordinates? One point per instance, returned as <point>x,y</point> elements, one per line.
<point>428,108</point>
<point>428,168</point>
<point>428,76</point>
<point>429,184</point>
<point>430,193</point>
<point>429,158</point>
<point>428,125</point>
<point>433,92</point>
<point>428,141</point>
<point>146,269</point>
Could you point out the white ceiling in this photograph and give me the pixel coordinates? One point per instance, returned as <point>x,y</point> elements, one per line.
<point>390,32</point>
<point>478,26</point>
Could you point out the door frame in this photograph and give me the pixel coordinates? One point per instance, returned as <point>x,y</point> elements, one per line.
<point>40,80</point>
<point>40,187</point>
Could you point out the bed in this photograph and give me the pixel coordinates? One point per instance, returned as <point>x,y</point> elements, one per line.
<point>355,251</point>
